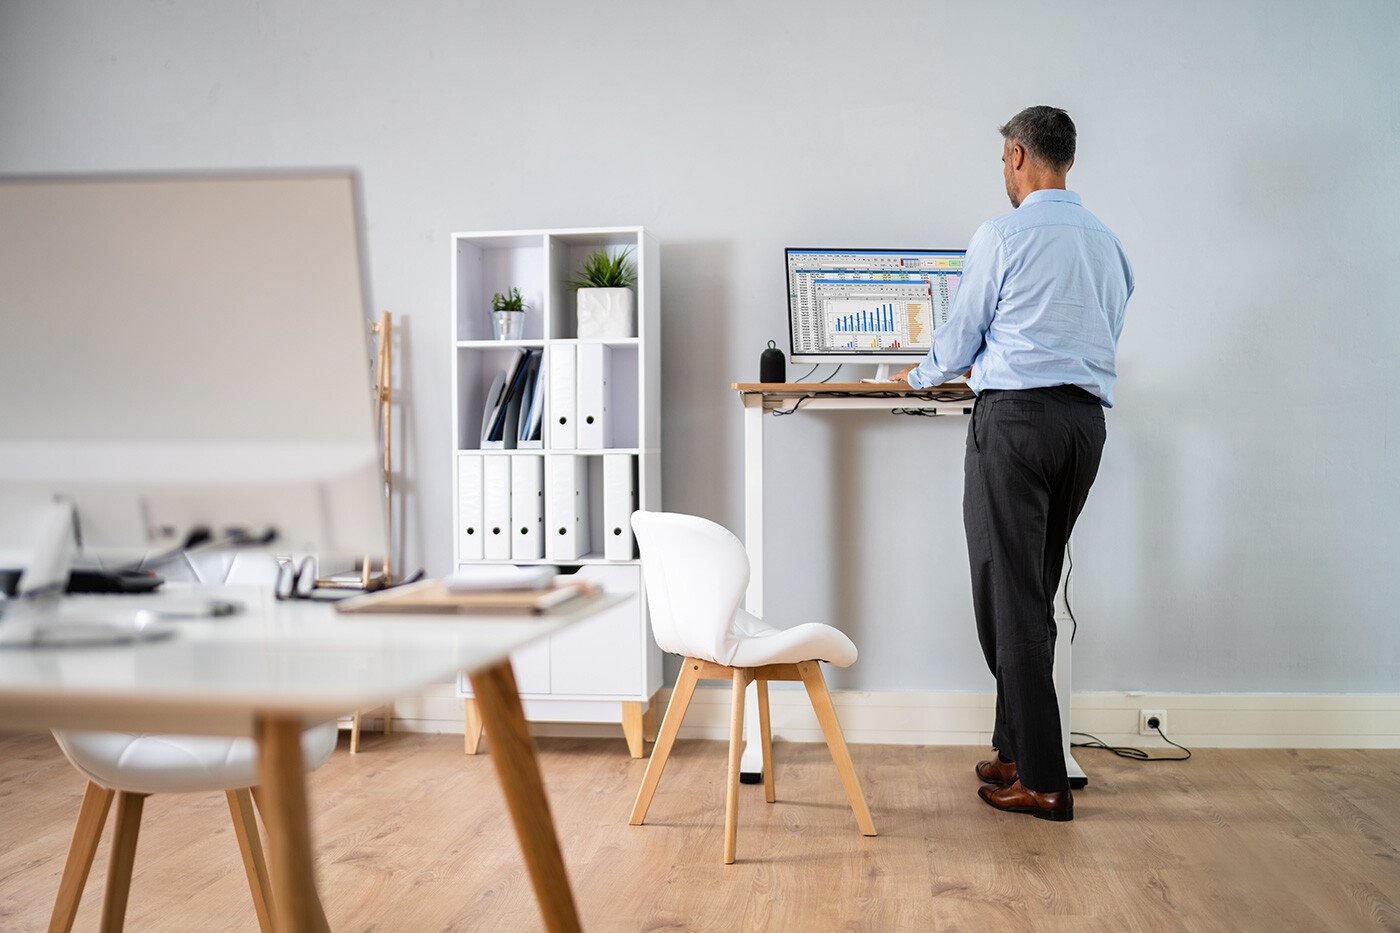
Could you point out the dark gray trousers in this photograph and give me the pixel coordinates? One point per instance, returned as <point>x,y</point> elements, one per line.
<point>1032,455</point>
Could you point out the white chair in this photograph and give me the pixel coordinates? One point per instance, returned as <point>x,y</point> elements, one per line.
<point>695,574</point>
<point>131,766</point>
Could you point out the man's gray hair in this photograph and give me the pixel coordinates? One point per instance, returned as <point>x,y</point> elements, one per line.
<point>1047,133</point>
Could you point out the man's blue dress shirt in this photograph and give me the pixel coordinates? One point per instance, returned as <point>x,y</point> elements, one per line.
<point>1040,302</point>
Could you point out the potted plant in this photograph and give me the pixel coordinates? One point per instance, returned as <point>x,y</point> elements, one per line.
<point>508,315</point>
<point>605,300</point>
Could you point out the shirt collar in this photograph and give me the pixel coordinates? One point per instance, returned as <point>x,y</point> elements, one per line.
<point>1051,194</point>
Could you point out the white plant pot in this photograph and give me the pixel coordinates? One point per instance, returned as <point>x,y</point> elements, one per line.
<point>605,313</point>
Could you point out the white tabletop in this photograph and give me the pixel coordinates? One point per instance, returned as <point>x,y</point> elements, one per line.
<point>216,675</point>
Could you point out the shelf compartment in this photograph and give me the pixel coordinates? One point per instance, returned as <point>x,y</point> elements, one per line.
<point>496,263</point>
<point>476,368</point>
<point>566,255</point>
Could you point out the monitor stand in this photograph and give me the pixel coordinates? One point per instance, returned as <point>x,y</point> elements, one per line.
<point>882,372</point>
<point>34,618</point>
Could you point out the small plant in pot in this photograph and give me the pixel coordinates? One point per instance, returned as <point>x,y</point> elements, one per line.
<point>508,315</point>
<point>605,298</point>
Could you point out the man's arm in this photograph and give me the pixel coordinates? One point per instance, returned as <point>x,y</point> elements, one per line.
<point>957,343</point>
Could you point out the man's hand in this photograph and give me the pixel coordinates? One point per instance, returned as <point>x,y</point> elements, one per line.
<point>903,374</point>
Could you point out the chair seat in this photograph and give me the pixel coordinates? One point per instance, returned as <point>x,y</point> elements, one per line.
<point>142,763</point>
<point>758,643</point>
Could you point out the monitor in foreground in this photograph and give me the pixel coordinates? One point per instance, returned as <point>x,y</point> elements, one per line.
<point>183,354</point>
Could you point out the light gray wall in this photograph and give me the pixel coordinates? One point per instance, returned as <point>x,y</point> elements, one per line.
<point>1242,535</point>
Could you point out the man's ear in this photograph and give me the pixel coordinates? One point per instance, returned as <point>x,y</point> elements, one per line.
<point>1018,156</point>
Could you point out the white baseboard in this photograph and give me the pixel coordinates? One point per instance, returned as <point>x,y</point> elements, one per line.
<point>1197,720</point>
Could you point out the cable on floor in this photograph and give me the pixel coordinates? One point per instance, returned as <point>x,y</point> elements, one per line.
<point>1127,751</point>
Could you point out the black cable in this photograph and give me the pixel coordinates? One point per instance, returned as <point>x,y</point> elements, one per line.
<point>1127,751</point>
<point>946,396</point>
<point>1068,608</point>
<point>778,412</point>
<point>833,373</point>
<point>804,376</point>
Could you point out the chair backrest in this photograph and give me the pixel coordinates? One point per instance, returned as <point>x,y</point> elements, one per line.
<point>695,572</point>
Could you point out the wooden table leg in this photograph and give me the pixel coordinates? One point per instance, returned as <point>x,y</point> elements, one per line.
<point>282,800</point>
<point>513,752</point>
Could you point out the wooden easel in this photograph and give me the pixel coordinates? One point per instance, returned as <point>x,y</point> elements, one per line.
<point>370,580</point>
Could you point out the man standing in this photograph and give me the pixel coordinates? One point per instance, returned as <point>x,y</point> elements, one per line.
<point>1037,316</point>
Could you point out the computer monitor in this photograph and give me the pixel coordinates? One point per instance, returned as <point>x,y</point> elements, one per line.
<point>868,305</point>
<point>182,352</point>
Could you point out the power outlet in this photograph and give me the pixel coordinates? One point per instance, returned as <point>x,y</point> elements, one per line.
<point>1145,714</point>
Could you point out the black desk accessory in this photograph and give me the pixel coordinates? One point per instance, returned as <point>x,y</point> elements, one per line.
<point>772,365</point>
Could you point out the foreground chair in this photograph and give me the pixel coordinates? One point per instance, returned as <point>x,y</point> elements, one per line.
<point>695,574</point>
<point>131,766</point>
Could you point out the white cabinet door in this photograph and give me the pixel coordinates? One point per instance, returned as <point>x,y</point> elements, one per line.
<point>531,666</point>
<point>602,656</point>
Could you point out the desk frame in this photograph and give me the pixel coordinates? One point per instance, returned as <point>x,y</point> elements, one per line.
<point>283,798</point>
<point>274,638</point>
<point>760,399</point>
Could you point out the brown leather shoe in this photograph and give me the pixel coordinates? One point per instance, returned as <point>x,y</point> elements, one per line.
<point>1055,805</point>
<point>997,771</point>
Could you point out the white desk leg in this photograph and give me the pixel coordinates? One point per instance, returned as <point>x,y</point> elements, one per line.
<point>751,764</point>
<point>1064,653</point>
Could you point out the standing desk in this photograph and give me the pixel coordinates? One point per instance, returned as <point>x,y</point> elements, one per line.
<point>278,667</point>
<point>760,399</point>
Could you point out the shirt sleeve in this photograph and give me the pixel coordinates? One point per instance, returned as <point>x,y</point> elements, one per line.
<point>957,343</point>
<point>1132,284</point>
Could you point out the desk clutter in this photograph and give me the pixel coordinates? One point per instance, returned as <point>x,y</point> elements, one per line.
<point>437,597</point>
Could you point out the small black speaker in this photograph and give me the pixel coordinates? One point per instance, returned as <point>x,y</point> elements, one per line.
<point>772,365</point>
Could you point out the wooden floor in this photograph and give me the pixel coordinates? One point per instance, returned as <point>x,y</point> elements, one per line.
<point>411,836</point>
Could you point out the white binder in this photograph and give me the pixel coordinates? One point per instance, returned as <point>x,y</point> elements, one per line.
<point>526,507</point>
<point>563,386</point>
<point>619,502</point>
<point>566,506</point>
<point>469,514</point>
<point>594,424</point>
<point>495,509</point>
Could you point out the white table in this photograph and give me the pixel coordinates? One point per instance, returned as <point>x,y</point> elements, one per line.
<point>279,667</point>
<point>760,399</point>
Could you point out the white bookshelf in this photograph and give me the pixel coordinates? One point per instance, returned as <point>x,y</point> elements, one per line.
<point>607,669</point>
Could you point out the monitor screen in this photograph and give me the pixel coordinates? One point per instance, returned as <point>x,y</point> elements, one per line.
<point>187,350</point>
<point>868,305</point>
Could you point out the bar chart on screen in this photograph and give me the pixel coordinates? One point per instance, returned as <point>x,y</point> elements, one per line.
<point>865,324</point>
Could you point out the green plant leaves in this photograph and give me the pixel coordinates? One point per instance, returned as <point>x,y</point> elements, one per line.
<point>511,302</point>
<point>603,271</point>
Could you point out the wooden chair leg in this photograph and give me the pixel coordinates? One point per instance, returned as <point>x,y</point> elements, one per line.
<point>92,816</point>
<point>632,727</point>
<point>670,726</point>
<point>765,732</point>
<point>355,722</point>
<point>736,754</point>
<point>123,859</point>
<point>826,715</point>
<point>471,731</point>
<point>245,827</point>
